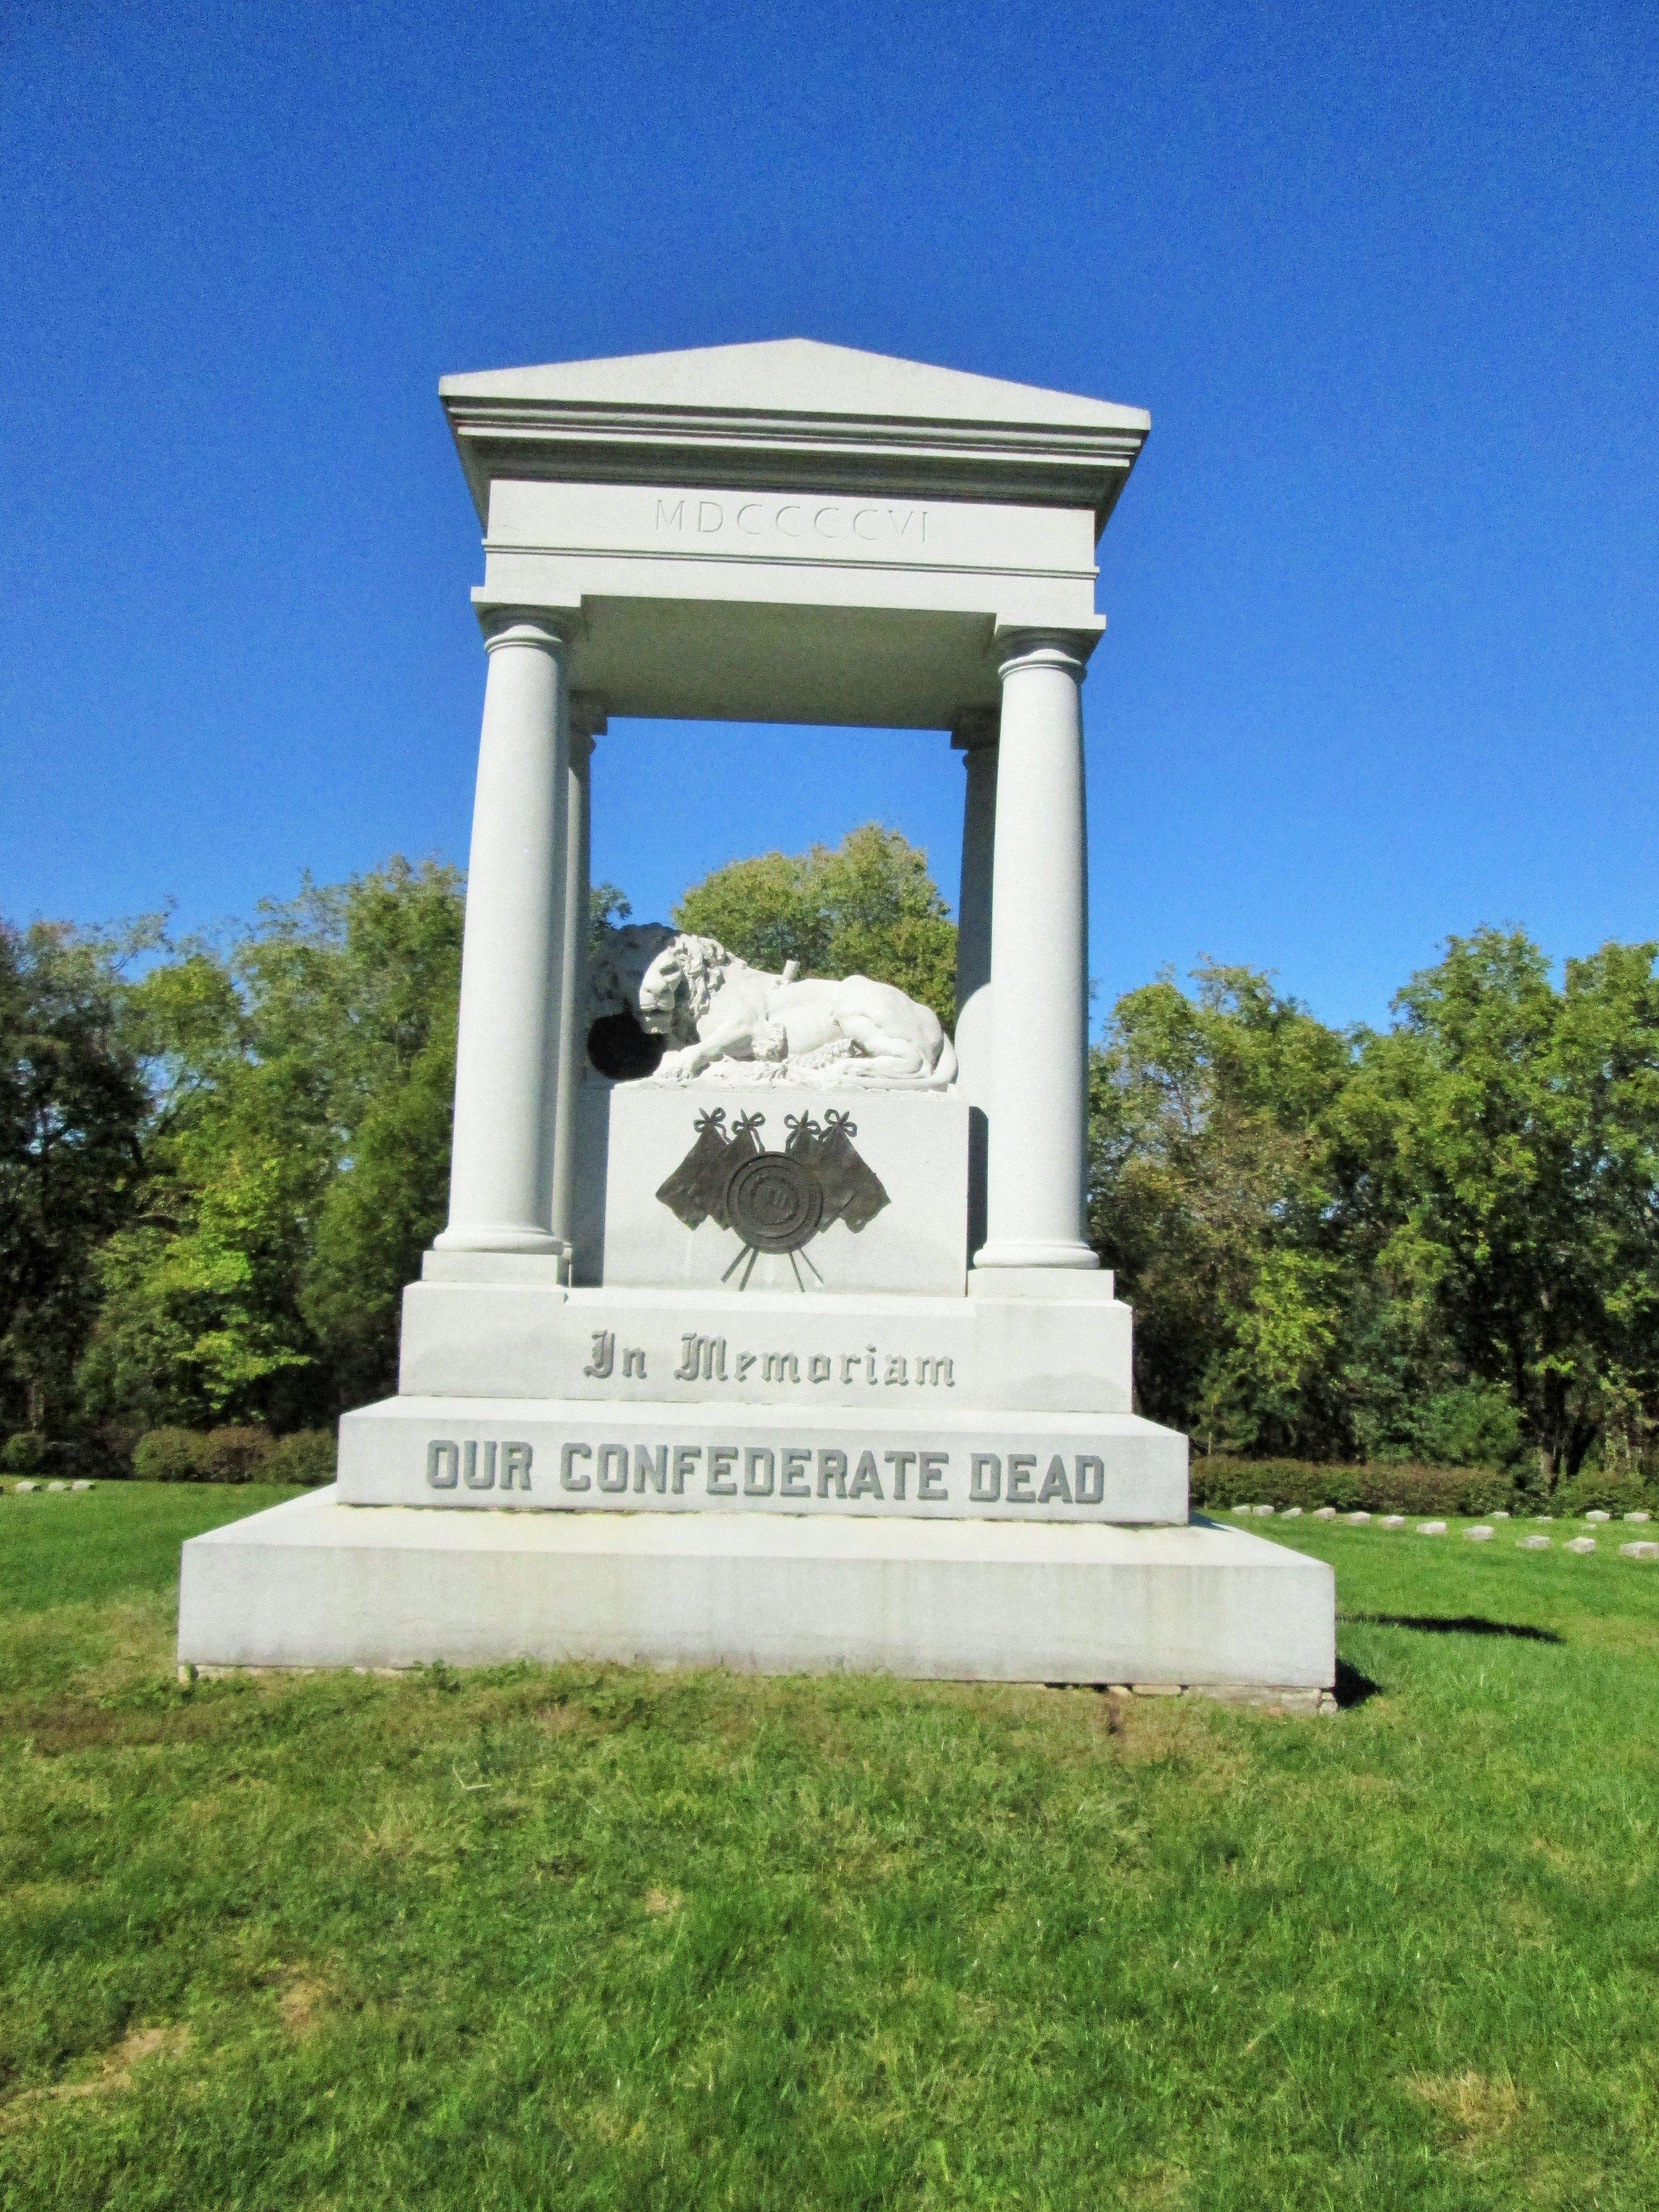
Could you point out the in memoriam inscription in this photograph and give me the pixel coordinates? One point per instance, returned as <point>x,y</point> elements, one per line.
<point>707,1359</point>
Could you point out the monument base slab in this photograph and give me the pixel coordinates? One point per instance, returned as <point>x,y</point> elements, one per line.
<point>317,1582</point>
<point>941,1462</point>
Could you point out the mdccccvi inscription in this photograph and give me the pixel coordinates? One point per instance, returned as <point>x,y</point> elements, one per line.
<point>788,522</point>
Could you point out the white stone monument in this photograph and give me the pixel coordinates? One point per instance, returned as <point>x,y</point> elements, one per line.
<point>765,1330</point>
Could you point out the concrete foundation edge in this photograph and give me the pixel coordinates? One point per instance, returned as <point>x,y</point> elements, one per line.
<point>317,1582</point>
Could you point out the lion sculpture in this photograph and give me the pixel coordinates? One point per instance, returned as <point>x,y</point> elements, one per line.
<point>710,1007</point>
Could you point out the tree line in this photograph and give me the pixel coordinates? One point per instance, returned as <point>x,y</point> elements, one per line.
<point>220,1161</point>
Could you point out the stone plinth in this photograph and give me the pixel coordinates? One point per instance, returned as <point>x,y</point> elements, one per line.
<point>316,1583</point>
<point>914,1143</point>
<point>481,1326</point>
<point>889,1462</point>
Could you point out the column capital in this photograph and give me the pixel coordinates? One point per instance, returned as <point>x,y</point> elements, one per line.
<point>553,630</point>
<point>588,721</point>
<point>976,727</point>
<point>1066,649</point>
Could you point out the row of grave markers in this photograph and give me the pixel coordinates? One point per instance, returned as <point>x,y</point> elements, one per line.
<point>1481,1532</point>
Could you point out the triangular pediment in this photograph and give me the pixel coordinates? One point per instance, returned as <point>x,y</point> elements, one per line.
<point>791,376</point>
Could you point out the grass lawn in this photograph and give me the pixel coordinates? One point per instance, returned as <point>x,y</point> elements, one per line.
<point>595,1937</point>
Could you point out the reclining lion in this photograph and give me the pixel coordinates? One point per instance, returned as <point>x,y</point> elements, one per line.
<point>711,1005</point>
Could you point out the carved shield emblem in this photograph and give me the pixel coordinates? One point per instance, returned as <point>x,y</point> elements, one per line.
<point>775,1201</point>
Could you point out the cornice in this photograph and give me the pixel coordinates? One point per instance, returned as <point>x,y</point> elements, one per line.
<point>1043,465</point>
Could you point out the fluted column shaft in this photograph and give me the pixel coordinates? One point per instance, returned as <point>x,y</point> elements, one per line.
<point>1035,1196</point>
<point>500,1179</point>
<point>586,722</point>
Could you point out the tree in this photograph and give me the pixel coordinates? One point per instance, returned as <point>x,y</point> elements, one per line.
<point>1513,1130</point>
<point>72,1103</point>
<point>867,908</point>
<point>1210,1192</point>
<point>298,1156</point>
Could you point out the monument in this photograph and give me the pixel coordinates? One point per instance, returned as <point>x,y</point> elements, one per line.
<point>765,1330</point>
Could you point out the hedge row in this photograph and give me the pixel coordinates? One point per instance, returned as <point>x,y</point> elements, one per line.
<point>1217,1483</point>
<point>234,1456</point>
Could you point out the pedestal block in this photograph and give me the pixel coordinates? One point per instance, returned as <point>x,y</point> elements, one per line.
<point>317,1582</point>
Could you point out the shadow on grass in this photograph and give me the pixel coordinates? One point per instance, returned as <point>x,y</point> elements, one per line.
<point>1462,1624</point>
<point>1352,1688</point>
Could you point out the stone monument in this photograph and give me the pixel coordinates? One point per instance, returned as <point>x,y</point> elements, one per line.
<point>765,1331</point>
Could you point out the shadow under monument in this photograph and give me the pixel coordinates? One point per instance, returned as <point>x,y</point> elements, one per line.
<point>1462,1624</point>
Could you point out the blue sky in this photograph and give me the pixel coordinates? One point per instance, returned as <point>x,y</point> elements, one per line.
<point>1383,591</point>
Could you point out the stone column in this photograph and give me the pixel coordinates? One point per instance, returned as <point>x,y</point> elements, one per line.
<point>976,738</point>
<point>1035,1194</point>
<point>586,722</point>
<point>500,1177</point>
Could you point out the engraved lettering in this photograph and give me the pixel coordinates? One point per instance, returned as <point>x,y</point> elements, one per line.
<point>750,507</point>
<point>721,1482</point>
<point>705,509</point>
<point>985,1477</point>
<point>792,1476</point>
<point>895,1372</point>
<point>1090,1479</point>
<point>849,1360</point>
<point>819,1369</point>
<point>443,1463</point>
<point>832,1467</point>
<point>753,1485</point>
<point>651,1468</point>
<point>702,1360</point>
<point>870,1362</point>
<point>1055,1484</point>
<point>931,1476</point>
<point>686,1463</point>
<point>515,1463</point>
<point>568,1478</point>
<point>604,1351</point>
<point>901,529</point>
<point>634,1361</point>
<point>817,522</point>
<point>935,1372</point>
<point>613,1467</point>
<point>780,1367</point>
<point>866,1483</point>
<point>1021,1467</point>
<point>670,518</point>
<point>867,515</point>
<point>473,1480</point>
<point>745,1361</point>
<point>899,1461</point>
<point>784,529</point>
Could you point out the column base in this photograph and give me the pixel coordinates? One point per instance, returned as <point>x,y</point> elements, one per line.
<point>1035,1252</point>
<point>486,1237</point>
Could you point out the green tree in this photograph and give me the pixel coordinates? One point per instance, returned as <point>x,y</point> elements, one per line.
<point>1513,1130</point>
<point>867,907</point>
<point>299,1156</point>
<point>72,1105</point>
<point>1211,1191</point>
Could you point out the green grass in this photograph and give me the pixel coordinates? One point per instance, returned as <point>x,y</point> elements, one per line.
<point>585,1937</point>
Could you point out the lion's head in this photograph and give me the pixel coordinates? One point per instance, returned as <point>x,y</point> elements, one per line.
<point>679,987</point>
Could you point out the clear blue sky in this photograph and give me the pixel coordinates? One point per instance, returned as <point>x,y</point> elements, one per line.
<point>1383,591</point>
